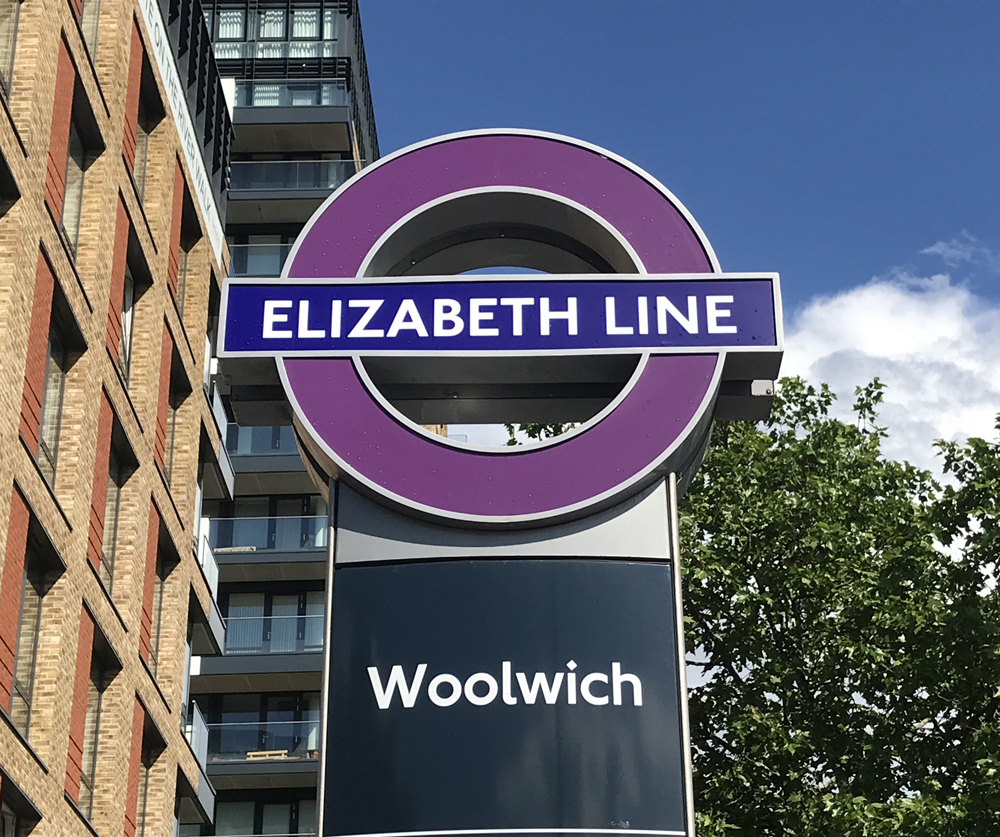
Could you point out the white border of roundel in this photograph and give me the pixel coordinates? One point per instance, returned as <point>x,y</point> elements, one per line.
<point>617,490</point>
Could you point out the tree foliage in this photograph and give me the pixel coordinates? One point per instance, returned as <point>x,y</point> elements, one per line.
<point>843,609</point>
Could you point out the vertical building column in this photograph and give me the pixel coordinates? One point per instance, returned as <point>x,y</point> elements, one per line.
<point>134,770</point>
<point>78,714</point>
<point>119,263</point>
<point>38,349</point>
<point>132,96</point>
<point>62,114</point>
<point>166,357</point>
<point>149,584</point>
<point>99,495</point>
<point>11,586</point>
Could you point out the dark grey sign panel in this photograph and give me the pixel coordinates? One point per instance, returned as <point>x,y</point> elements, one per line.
<point>492,696</point>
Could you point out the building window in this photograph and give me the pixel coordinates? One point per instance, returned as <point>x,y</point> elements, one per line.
<point>117,475</point>
<point>76,167</point>
<point>88,23</point>
<point>230,25</point>
<point>140,817</point>
<point>154,638</point>
<point>252,727</point>
<point>266,816</point>
<point>148,115</point>
<point>142,134</point>
<point>173,405</point>
<point>128,322</point>
<point>305,24</point>
<point>32,591</point>
<point>182,275</point>
<point>271,25</point>
<point>274,623</point>
<point>57,364</point>
<point>9,10</point>
<point>100,679</point>
<point>8,822</point>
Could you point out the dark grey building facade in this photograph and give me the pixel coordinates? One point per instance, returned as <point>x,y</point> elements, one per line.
<point>296,81</point>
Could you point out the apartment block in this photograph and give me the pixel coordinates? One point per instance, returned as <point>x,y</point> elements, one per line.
<point>295,75</point>
<point>115,141</point>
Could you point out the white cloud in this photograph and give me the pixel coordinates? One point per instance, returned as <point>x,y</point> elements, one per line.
<point>965,249</point>
<point>933,342</point>
<point>931,339</point>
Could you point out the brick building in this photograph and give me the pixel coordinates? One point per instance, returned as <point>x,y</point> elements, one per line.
<point>115,141</point>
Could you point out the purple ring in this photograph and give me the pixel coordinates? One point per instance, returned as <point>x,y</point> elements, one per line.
<point>378,451</point>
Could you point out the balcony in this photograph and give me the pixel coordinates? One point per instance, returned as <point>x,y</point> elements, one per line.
<point>285,190</point>
<point>261,441</point>
<point>198,802</point>
<point>291,93</point>
<point>273,754</point>
<point>256,741</point>
<point>259,534</point>
<point>278,114</point>
<point>209,567</point>
<point>298,175</point>
<point>274,634</point>
<point>196,733</point>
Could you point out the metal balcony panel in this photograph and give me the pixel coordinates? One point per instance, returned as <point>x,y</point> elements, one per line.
<point>227,776</point>
<point>272,566</point>
<point>274,206</point>
<point>291,129</point>
<point>267,482</point>
<point>208,630</point>
<point>281,463</point>
<point>258,673</point>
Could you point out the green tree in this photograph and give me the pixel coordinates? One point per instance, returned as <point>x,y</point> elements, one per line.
<point>843,608</point>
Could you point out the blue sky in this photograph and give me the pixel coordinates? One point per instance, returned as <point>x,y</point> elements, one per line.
<point>833,142</point>
<point>828,141</point>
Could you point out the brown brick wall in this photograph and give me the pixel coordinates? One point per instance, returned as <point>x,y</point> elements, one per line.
<point>11,585</point>
<point>148,583</point>
<point>134,766</point>
<point>62,114</point>
<point>50,60</point>
<point>132,96</point>
<point>99,493</point>
<point>174,247</point>
<point>38,341</point>
<point>166,356</point>
<point>78,711</point>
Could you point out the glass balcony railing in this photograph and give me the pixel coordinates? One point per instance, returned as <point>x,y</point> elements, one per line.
<point>291,93</point>
<point>210,567</point>
<point>290,174</point>
<point>261,441</point>
<point>196,732</point>
<point>257,259</point>
<point>263,741</point>
<point>255,534</point>
<point>274,634</point>
<point>277,49</point>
